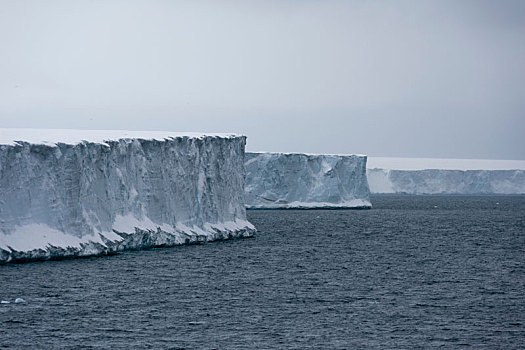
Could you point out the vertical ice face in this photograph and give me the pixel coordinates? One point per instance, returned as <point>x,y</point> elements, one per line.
<point>281,180</point>
<point>446,176</point>
<point>439,181</point>
<point>92,192</point>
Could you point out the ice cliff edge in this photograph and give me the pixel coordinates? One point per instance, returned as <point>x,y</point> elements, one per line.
<point>296,180</point>
<point>446,176</point>
<point>78,193</point>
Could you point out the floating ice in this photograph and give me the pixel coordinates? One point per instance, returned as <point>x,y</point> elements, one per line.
<point>445,176</point>
<point>80,192</point>
<point>294,180</point>
<point>19,301</point>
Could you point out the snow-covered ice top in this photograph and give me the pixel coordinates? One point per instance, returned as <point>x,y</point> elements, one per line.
<point>310,154</point>
<point>51,137</point>
<point>393,163</point>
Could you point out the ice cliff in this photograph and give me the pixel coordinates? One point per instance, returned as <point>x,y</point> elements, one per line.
<point>294,180</point>
<point>79,193</point>
<point>445,176</point>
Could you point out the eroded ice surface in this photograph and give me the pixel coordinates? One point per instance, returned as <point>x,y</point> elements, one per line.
<point>445,176</point>
<point>295,180</point>
<point>81,192</point>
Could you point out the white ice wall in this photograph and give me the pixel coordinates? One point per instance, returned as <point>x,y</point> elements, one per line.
<point>445,176</point>
<point>61,196</point>
<point>283,180</point>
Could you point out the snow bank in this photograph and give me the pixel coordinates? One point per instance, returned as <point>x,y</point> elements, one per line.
<point>293,180</point>
<point>446,176</point>
<point>79,192</point>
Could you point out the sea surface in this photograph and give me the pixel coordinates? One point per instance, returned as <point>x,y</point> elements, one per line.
<point>414,272</point>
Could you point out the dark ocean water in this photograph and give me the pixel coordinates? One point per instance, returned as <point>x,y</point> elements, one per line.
<point>414,272</point>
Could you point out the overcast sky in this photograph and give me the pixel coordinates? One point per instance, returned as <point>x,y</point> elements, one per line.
<point>383,78</point>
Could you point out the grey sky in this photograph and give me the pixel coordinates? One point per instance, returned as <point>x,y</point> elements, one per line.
<point>384,78</point>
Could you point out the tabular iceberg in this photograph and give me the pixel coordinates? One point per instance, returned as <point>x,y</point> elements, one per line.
<point>294,180</point>
<point>70,193</point>
<point>442,176</point>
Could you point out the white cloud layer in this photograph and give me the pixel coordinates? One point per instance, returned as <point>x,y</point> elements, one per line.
<point>393,78</point>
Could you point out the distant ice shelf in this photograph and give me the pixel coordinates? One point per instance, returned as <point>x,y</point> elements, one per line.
<point>67,193</point>
<point>305,181</point>
<point>445,176</point>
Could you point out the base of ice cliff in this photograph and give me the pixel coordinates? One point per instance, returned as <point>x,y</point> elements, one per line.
<point>306,181</point>
<point>67,193</point>
<point>445,176</point>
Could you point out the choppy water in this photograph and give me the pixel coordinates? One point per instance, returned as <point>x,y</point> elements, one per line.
<point>415,272</point>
